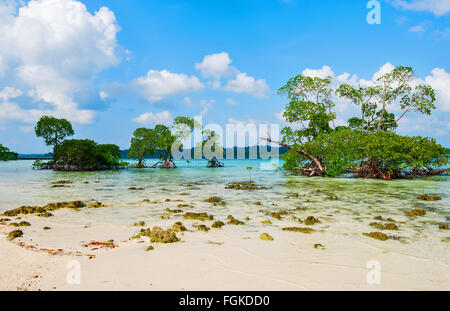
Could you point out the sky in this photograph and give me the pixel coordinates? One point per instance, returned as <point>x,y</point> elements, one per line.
<point>111,66</point>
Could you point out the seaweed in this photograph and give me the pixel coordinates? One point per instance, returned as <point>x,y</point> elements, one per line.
<point>135,189</point>
<point>380,226</point>
<point>266,237</point>
<point>266,222</point>
<point>174,211</point>
<point>44,210</point>
<point>278,215</point>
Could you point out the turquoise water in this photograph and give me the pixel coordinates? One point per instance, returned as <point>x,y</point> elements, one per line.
<point>358,200</point>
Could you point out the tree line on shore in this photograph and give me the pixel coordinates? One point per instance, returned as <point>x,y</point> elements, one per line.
<point>367,147</point>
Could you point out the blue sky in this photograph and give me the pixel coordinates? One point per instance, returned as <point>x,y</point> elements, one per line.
<point>112,65</point>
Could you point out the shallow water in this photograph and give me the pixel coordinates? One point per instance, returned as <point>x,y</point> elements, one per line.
<point>358,201</point>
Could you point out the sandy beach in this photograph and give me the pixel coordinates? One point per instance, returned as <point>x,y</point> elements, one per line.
<point>332,255</point>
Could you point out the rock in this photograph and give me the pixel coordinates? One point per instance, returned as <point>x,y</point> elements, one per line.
<point>233,221</point>
<point>179,227</point>
<point>417,212</point>
<point>96,205</point>
<point>150,248</point>
<point>218,225</point>
<point>158,235</point>
<point>203,228</point>
<point>15,234</point>
<point>266,222</point>
<point>426,197</point>
<point>377,235</point>
<point>443,227</point>
<point>139,224</point>
<point>176,211</point>
<point>298,229</point>
<point>311,220</point>
<point>46,228</point>
<point>318,246</point>
<point>266,237</point>
<point>215,201</point>
<point>244,185</point>
<point>198,216</point>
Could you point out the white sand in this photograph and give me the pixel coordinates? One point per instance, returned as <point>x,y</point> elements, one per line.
<point>242,262</point>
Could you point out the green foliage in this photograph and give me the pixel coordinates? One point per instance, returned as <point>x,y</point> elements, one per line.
<point>143,144</point>
<point>6,154</point>
<point>86,155</point>
<point>53,130</point>
<point>382,154</point>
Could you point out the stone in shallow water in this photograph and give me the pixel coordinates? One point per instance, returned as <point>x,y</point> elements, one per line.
<point>311,220</point>
<point>218,225</point>
<point>298,229</point>
<point>426,197</point>
<point>443,227</point>
<point>198,216</point>
<point>417,212</point>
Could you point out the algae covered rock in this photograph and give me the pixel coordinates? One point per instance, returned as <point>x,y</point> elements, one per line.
<point>380,226</point>
<point>198,216</point>
<point>298,229</point>
<point>426,197</point>
<point>150,248</point>
<point>139,224</point>
<point>266,237</point>
<point>311,220</point>
<point>178,227</point>
<point>218,225</point>
<point>175,211</point>
<point>21,224</point>
<point>203,228</point>
<point>377,235</point>
<point>278,215</point>
<point>266,222</point>
<point>443,227</point>
<point>215,200</point>
<point>96,205</point>
<point>46,228</point>
<point>417,212</point>
<point>244,185</point>
<point>158,235</point>
<point>318,245</point>
<point>15,234</point>
<point>233,221</point>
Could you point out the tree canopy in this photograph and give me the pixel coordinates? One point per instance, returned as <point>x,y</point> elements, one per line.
<point>53,130</point>
<point>6,154</point>
<point>368,146</point>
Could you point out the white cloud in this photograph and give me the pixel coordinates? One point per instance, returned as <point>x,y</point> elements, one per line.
<point>231,102</point>
<point>158,84</point>
<point>322,73</point>
<point>56,48</point>
<point>162,117</point>
<point>418,28</point>
<point>9,93</point>
<point>206,105</point>
<point>249,85</point>
<point>438,7</point>
<point>216,66</point>
<point>439,80</point>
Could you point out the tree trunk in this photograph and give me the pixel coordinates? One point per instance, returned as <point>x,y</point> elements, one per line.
<point>318,170</point>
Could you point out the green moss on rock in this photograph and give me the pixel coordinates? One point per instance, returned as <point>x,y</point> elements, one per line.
<point>198,216</point>
<point>298,229</point>
<point>311,220</point>
<point>266,237</point>
<point>377,235</point>
<point>426,197</point>
<point>417,212</point>
<point>218,225</point>
<point>15,234</point>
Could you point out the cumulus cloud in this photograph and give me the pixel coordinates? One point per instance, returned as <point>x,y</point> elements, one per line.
<point>163,117</point>
<point>438,7</point>
<point>158,84</point>
<point>322,73</point>
<point>216,66</point>
<point>440,81</point>
<point>55,48</point>
<point>249,85</point>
